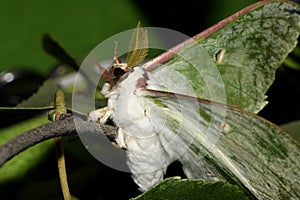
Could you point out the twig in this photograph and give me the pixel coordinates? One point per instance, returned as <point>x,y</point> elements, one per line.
<point>65,127</point>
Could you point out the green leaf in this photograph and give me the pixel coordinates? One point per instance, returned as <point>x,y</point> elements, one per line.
<point>292,60</point>
<point>175,188</point>
<point>17,167</point>
<point>293,128</point>
<point>43,98</point>
<point>35,105</point>
<point>254,42</point>
<point>54,49</point>
<point>40,101</point>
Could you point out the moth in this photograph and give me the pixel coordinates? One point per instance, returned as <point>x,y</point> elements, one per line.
<point>196,103</point>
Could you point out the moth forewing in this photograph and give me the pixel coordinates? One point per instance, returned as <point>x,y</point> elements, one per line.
<point>248,150</point>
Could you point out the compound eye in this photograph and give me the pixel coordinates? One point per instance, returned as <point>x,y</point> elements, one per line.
<point>118,72</point>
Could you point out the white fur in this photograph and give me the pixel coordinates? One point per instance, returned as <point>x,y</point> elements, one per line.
<point>147,158</point>
<point>152,142</point>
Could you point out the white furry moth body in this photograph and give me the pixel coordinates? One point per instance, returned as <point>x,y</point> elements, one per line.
<point>130,113</point>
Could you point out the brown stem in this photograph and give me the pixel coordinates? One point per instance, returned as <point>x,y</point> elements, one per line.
<point>65,127</point>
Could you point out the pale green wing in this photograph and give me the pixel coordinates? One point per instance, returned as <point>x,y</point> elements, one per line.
<point>214,141</point>
<point>238,55</point>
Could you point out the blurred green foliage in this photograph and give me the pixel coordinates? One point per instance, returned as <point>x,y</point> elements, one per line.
<point>79,26</point>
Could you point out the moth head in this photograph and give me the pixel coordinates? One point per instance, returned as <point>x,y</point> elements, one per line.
<point>117,71</point>
<point>113,73</point>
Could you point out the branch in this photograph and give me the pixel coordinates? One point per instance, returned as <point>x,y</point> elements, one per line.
<point>64,127</point>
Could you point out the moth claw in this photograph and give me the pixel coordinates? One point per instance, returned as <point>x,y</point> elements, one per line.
<point>100,115</point>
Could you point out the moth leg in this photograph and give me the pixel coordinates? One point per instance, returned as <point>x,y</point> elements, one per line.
<point>120,139</point>
<point>101,115</point>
